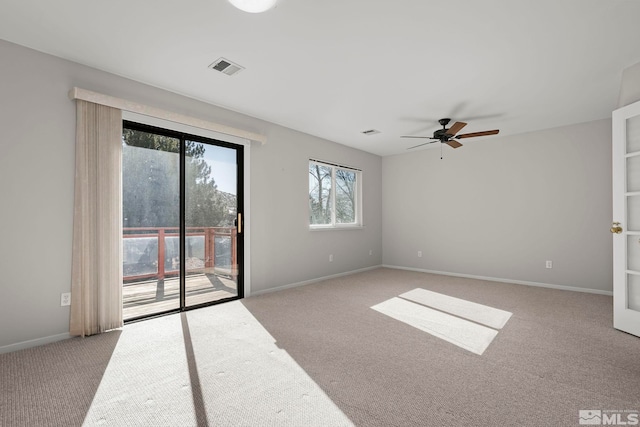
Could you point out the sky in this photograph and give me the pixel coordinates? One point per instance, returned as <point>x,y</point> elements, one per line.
<point>223,167</point>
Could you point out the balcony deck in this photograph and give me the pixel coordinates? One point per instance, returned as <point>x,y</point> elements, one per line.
<point>153,296</point>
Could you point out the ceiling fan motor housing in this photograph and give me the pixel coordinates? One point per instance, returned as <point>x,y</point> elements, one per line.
<point>441,134</point>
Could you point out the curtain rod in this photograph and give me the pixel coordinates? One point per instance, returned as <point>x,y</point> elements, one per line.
<point>123,104</point>
<point>335,164</point>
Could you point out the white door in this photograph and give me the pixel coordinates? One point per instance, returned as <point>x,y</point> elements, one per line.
<point>626,217</point>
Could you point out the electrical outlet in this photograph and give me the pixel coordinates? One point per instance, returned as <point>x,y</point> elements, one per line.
<point>549,264</point>
<point>330,257</point>
<point>65,299</point>
<point>419,254</point>
<point>370,251</point>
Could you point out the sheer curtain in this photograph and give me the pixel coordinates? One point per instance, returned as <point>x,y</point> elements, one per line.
<point>96,281</point>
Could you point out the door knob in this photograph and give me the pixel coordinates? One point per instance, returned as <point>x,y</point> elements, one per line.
<point>616,228</point>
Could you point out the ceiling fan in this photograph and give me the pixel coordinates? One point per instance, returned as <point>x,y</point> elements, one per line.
<point>446,136</point>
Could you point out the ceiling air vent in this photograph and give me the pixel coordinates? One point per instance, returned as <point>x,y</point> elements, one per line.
<point>370,132</point>
<point>226,67</point>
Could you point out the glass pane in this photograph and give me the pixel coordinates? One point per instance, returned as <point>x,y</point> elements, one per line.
<point>319,194</point>
<point>150,217</point>
<point>633,173</point>
<point>139,255</point>
<point>633,134</point>
<point>345,196</point>
<point>210,211</point>
<point>633,292</point>
<point>633,253</point>
<point>633,213</point>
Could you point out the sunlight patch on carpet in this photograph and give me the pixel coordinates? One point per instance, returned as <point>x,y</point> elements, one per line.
<point>454,320</point>
<point>488,316</point>
<point>242,376</point>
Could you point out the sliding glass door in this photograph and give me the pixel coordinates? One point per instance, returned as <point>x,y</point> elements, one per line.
<point>182,221</point>
<point>211,212</point>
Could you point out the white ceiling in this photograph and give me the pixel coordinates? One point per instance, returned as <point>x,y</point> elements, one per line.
<point>334,68</point>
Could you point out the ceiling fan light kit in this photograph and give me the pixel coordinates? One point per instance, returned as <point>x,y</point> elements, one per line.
<point>254,6</point>
<point>447,135</point>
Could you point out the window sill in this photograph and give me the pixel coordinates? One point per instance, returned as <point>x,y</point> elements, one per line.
<point>336,228</point>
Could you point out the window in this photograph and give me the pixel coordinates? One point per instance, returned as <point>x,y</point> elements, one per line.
<point>334,196</point>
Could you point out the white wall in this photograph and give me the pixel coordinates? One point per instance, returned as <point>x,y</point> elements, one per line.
<point>289,252</point>
<point>36,196</point>
<point>501,207</point>
<point>630,85</point>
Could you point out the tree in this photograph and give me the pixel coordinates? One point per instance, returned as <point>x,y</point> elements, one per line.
<point>150,177</point>
<point>320,193</point>
<point>345,196</point>
<point>205,206</point>
<point>151,183</point>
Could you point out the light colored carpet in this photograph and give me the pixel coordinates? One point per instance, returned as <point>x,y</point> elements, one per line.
<point>54,384</point>
<point>319,355</point>
<point>558,353</point>
<point>479,313</point>
<point>215,366</point>
<point>460,322</point>
<point>468,335</point>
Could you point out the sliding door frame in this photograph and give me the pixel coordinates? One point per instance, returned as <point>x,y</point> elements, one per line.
<point>182,132</point>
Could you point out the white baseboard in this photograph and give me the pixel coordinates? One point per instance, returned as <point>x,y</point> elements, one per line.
<point>33,343</point>
<point>497,279</point>
<point>308,282</point>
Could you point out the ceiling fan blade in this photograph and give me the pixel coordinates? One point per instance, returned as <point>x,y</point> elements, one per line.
<point>471,135</point>
<point>453,130</point>
<point>420,145</point>
<point>453,143</point>
<point>413,136</point>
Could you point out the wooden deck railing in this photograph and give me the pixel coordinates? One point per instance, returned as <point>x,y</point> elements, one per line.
<point>161,233</point>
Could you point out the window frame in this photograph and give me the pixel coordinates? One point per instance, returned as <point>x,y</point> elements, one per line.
<point>358,210</point>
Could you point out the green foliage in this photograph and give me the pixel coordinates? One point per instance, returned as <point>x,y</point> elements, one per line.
<point>151,183</point>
